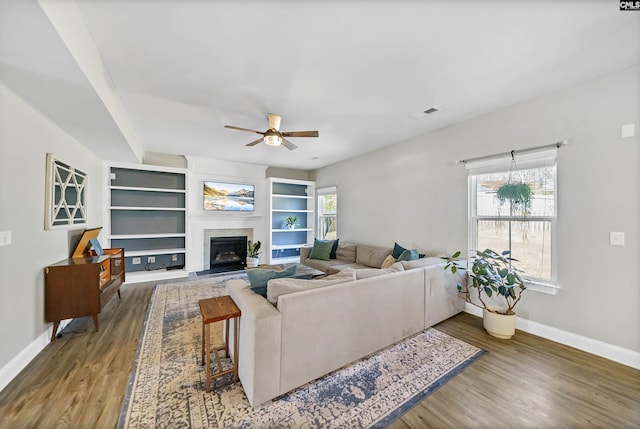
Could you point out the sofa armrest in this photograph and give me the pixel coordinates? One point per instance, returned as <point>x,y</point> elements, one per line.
<point>259,343</point>
<point>441,294</point>
<point>304,253</point>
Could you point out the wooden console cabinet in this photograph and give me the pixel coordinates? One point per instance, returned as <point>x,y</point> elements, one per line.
<point>79,287</point>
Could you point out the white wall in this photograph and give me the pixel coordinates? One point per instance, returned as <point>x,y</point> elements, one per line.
<point>416,194</point>
<point>25,138</point>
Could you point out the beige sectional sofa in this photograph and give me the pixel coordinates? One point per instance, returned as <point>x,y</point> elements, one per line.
<point>313,331</point>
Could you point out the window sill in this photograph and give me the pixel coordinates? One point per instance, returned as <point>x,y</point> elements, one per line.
<point>546,288</point>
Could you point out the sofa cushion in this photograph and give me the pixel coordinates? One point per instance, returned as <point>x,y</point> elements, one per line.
<point>419,263</point>
<point>258,277</point>
<point>373,272</point>
<point>347,252</point>
<point>334,269</point>
<point>389,261</point>
<point>283,286</point>
<point>408,255</point>
<point>372,256</point>
<point>321,249</point>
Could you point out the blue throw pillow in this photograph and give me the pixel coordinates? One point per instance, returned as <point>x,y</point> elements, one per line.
<point>332,255</point>
<point>259,277</point>
<point>398,249</point>
<point>321,249</point>
<point>408,255</point>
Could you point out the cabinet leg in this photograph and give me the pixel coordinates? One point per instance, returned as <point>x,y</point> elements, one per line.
<point>95,321</point>
<point>55,330</point>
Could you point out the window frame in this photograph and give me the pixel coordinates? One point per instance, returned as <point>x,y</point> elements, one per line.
<point>501,164</point>
<point>320,193</point>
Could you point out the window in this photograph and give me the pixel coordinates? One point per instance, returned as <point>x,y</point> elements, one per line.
<point>529,231</point>
<point>327,213</point>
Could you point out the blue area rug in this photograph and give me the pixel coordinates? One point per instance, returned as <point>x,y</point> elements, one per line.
<point>167,384</point>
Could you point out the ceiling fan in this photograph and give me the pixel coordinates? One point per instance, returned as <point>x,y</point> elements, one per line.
<point>273,136</point>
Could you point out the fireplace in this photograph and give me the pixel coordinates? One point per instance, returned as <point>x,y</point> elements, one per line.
<point>228,254</point>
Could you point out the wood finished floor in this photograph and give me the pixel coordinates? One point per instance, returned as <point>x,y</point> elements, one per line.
<point>79,380</point>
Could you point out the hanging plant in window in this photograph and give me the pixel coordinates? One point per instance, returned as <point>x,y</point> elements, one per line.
<point>517,193</point>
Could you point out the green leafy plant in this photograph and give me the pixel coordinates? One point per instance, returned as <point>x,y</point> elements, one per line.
<point>253,251</point>
<point>518,194</point>
<point>491,273</point>
<point>291,221</point>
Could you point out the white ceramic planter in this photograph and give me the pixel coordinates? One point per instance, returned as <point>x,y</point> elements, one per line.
<point>501,326</point>
<point>252,262</point>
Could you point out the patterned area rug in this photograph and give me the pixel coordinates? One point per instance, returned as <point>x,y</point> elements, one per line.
<point>167,383</point>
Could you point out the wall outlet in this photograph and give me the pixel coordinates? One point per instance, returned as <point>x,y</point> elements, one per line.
<point>135,261</point>
<point>616,238</point>
<point>151,259</point>
<point>174,258</point>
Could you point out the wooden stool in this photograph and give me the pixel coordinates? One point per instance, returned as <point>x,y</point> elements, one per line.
<point>215,310</point>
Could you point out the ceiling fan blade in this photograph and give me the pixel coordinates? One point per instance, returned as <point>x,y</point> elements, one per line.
<point>286,143</point>
<point>243,129</point>
<point>255,142</point>
<point>274,121</point>
<point>300,134</point>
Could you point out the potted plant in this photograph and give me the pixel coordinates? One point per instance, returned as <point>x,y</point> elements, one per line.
<point>518,194</point>
<point>492,273</point>
<point>253,254</point>
<point>291,221</point>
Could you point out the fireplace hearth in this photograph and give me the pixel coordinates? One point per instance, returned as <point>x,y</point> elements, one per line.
<point>228,254</point>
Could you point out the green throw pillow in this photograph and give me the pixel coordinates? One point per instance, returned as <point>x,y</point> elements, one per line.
<point>321,249</point>
<point>408,255</point>
<point>259,277</point>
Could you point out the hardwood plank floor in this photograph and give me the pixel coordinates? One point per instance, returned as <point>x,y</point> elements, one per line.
<point>79,380</point>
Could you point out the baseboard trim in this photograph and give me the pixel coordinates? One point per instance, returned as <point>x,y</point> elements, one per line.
<point>589,345</point>
<point>22,359</point>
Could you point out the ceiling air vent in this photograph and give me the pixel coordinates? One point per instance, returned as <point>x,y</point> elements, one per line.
<point>431,110</point>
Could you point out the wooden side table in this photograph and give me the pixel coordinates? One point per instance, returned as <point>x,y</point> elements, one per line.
<point>216,310</point>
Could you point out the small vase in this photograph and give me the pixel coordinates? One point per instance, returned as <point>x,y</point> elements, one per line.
<point>291,226</point>
<point>252,262</point>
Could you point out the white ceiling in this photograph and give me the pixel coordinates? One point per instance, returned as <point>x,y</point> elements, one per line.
<point>126,77</point>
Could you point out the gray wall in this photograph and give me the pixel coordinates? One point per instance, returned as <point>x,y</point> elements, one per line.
<point>25,138</point>
<point>416,194</point>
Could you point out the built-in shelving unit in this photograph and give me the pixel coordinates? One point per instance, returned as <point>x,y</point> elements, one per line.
<point>290,198</point>
<point>147,214</point>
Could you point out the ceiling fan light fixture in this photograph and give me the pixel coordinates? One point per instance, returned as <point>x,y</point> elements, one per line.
<point>273,140</point>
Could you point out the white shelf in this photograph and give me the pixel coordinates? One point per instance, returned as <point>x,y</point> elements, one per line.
<point>154,252</point>
<point>134,188</point>
<point>296,198</point>
<point>162,209</point>
<point>292,230</point>
<point>134,193</point>
<point>291,196</point>
<point>285,260</point>
<point>145,276</point>
<point>289,246</point>
<point>136,236</point>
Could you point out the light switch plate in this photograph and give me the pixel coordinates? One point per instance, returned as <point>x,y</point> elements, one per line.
<point>616,238</point>
<point>5,238</point>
